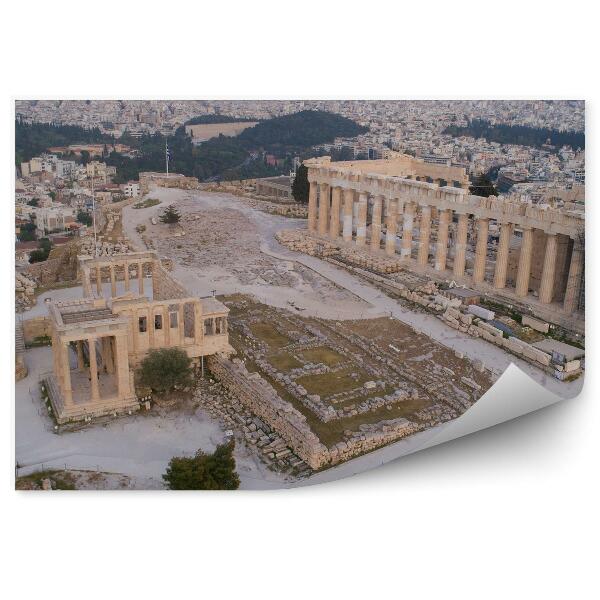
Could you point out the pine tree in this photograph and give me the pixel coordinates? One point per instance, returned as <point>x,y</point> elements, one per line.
<point>170,215</point>
<point>204,471</point>
<point>482,186</point>
<point>300,187</point>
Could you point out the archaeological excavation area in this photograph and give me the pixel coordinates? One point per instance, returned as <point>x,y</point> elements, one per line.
<point>334,390</point>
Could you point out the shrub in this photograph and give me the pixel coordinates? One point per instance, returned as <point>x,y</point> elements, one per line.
<point>166,368</point>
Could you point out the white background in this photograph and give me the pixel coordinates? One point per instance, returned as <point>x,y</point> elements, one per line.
<point>507,513</point>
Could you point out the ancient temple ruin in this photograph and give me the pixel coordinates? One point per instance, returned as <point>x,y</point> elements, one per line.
<point>423,216</point>
<point>131,305</point>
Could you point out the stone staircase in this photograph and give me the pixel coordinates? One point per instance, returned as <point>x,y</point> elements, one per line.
<point>19,339</point>
<point>20,366</point>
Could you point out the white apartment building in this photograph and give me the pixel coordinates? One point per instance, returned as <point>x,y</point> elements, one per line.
<point>53,219</point>
<point>131,189</point>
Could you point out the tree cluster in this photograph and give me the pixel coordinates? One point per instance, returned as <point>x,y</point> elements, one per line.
<point>214,471</point>
<point>518,134</point>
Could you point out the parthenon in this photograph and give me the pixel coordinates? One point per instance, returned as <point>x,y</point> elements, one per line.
<point>99,339</point>
<point>394,206</point>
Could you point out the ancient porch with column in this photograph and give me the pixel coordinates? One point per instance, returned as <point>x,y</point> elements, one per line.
<point>99,340</point>
<point>422,217</point>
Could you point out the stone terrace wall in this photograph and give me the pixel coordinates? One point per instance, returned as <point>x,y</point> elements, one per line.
<point>174,180</point>
<point>36,327</point>
<point>262,399</point>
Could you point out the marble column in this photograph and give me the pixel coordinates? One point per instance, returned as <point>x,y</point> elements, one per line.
<point>502,256</point>
<point>99,281</point>
<point>113,281</point>
<point>441,251</point>
<point>407,230</point>
<point>140,270</point>
<point>323,208</point>
<point>198,329</point>
<point>126,266</point>
<point>391,224</point>
<point>87,286</point>
<point>348,210</point>
<point>122,364</point>
<point>524,267</point>
<point>549,269</point>
<point>312,206</point>
<point>573,289</point>
<point>483,226</point>
<point>361,228</point>
<point>181,324</point>
<point>80,362</point>
<point>424,235</point>
<point>376,223</point>
<point>460,248</point>
<point>334,220</point>
<point>167,325</point>
<point>93,369</point>
<point>67,390</point>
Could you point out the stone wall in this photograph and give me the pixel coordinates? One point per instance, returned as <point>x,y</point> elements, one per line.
<point>264,401</point>
<point>476,327</point>
<point>35,328</point>
<point>174,180</point>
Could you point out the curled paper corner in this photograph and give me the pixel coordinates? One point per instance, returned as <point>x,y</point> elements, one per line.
<point>513,395</point>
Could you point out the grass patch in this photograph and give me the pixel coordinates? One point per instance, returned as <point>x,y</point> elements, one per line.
<point>61,479</point>
<point>268,334</point>
<point>39,340</point>
<point>284,361</point>
<point>147,203</point>
<point>332,383</point>
<point>324,355</point>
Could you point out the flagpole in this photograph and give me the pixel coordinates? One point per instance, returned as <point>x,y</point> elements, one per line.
<point>94,214</point>
<point>167,156</point>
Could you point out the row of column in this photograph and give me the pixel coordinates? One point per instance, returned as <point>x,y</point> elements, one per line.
<point>328,224</point>
<point>87,287</point>
<point>114,358</point>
